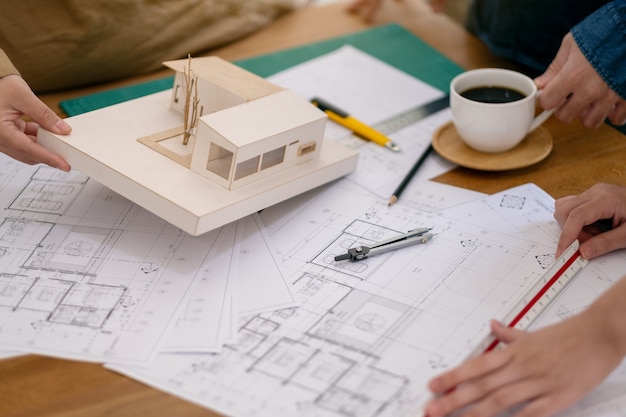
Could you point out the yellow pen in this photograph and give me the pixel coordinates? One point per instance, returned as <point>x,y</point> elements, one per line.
<point>344,119</point>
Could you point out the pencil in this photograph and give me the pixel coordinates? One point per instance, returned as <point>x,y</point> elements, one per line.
<point>396,194</point>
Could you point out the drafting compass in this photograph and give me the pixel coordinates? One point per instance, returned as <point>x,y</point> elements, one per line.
<point>413,237</point>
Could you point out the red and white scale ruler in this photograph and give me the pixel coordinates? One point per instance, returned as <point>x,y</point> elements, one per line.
<point>523,313</point>
<point>538,297</point>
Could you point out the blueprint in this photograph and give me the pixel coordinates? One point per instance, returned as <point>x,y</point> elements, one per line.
<point>257,318</point>
<point>370,334</point>
<point>260,290</point>
<point>228,286</point>
<point>204,319</point>
<point>527,210</point>
<point>88,275</point>
<point>85,273</point>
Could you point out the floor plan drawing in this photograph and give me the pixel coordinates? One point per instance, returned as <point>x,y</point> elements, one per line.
<point>50,191</point>
<point>204,316</point>
<point>85,273</point>
<point>525,210</point>
<point>62,301</point>
<point>76,249</point>
<point>369,334</point>
<point>257,318</point>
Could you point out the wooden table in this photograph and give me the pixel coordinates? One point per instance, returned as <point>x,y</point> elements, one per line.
<point>33,386</point>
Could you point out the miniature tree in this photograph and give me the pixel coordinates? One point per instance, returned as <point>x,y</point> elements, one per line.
<point>190,111</point>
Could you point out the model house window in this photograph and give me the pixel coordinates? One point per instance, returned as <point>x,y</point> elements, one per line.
<point>272,158</point>
<point>306,148</point>
<point>219,161</point>
<point>247,167</point>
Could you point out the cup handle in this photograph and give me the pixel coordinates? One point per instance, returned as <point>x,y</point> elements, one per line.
<point>540,119</point>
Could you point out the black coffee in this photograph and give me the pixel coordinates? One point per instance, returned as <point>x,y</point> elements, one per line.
<point>493,94</point>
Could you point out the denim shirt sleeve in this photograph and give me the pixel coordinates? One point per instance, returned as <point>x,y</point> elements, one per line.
<point>602,39</point>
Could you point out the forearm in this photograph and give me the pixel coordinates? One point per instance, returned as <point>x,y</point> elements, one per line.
<point>608,312</point>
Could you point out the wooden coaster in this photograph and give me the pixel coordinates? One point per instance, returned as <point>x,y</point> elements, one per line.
<point>534,148</point>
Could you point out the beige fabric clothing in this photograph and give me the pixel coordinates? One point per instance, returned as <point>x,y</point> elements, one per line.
<point>66,43</point>
<point>6,67</point>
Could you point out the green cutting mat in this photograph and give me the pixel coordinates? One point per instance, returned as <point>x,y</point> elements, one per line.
<point>391,43</point>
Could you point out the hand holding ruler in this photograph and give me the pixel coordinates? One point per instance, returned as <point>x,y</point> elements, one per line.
<point>538,297</point>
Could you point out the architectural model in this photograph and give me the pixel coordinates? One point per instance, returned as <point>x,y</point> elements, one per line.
<point>221,144</point>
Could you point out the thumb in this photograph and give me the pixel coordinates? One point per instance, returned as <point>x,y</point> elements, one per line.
<point>552,71</point>
<point>543,80</point>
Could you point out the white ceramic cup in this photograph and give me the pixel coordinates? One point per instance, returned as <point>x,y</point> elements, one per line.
<point>494,127</point>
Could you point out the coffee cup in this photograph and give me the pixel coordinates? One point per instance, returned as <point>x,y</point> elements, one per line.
<point>493,109</point>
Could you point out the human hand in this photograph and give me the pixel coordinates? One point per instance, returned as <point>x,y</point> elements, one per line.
<point>573,87</point>
<point>18,138</point>
<point>438,6</point>
<point>542,372</point>
<point>368,8</point>
<point>578,216</point>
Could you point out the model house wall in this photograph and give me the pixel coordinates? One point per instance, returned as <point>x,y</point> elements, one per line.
<point>247,128</point>
<point>221,85</point>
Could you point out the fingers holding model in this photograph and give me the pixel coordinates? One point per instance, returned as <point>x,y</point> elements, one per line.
<point>18,138</point>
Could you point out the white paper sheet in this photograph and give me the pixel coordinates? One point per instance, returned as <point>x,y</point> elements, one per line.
<point>86,275</point>
<point>370,334</point>
<point>205,310</point>
<point>9,354</point>
<point>262,285</point>
<point>372,91</point>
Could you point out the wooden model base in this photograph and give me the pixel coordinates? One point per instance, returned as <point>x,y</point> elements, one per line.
<point>104,145</point>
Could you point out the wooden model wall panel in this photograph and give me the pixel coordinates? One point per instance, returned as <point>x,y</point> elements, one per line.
<point>254,130</point>
<point>226,77</point>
